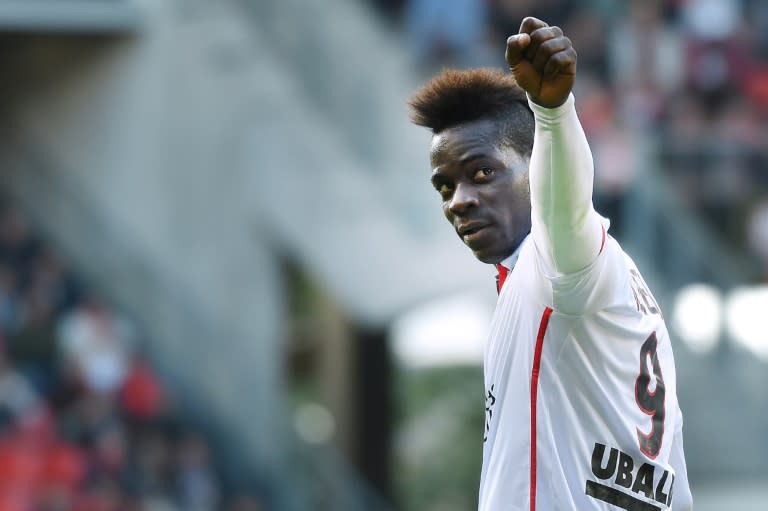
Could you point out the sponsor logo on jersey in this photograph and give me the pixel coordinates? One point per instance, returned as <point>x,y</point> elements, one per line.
<point>629,480</point>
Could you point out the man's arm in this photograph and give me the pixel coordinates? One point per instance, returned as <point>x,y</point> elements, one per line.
<point>566,228</point>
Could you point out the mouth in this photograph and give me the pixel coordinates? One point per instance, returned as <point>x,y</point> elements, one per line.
<point>472,232</point>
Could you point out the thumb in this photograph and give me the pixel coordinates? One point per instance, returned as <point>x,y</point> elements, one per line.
<point>516,45</point>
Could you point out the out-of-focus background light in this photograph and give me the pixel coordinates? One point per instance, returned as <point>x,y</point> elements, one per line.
<point>314,423</point>
<point>447,332</point>
<point>698,316</point>
<point>745,315</point>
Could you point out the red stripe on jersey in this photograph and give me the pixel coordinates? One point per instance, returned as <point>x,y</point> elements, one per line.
<point>534,395</point>
<point>501,277</point>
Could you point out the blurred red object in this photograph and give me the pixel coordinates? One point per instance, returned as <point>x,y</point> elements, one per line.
<point>33,462</point>
<point>757,86</point>
<point>142,396</point>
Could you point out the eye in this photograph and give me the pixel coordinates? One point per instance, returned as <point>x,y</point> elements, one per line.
<point>483,174</point>
<point>444,189</point>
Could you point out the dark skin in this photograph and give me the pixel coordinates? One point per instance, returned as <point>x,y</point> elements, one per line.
<point>543,62</point>
<point>483,182</point>
<point>484,188</point>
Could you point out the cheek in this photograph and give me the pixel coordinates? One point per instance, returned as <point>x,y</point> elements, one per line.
<point>516,204</point>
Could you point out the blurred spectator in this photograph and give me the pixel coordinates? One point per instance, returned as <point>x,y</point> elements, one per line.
<point>718,56</point>
<point>84,420</point>
<point>687,76</point>
<point>105,440</point>
<point>757,13</point>
<point>245,502</point>
<point>103,494</point>
<point>98,344</point>
<point>19,403</point>
<point>711,20</point>
<point>32,345</point>
<point>615,171</point>
<point>142,397</point>
<point>587,31</point>
<point>10,309</point>
<point>685,135</point>
<point>645,50</point>
<point>51,281</point>
<point>151,463</point>
<point>446,32</point>
<point>197,484</point>
<point>37,467</point>
<point>507,15</point>
<point>17,246</point>
<point>646,62</point>
<point>108,451</point>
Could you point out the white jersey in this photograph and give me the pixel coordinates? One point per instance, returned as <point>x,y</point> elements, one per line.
<point>581,402</point>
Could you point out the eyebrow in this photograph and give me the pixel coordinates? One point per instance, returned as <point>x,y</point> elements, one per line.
<point>472,157</point>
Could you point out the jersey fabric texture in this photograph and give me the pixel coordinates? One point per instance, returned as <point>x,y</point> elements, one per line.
<point>580,387</point>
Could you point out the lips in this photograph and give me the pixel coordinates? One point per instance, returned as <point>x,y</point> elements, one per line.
<point>471,228</point>
<point>472,232</point>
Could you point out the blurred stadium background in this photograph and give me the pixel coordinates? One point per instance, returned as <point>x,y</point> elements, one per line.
<point>225,282</point>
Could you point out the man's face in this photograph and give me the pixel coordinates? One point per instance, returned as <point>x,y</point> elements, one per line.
<point>484,188</point>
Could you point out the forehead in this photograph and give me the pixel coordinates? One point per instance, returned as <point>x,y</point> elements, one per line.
<point>478,139</point>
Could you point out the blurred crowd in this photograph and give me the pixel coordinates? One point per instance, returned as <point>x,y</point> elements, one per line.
<point>86,424</point>
<point>689,77</point>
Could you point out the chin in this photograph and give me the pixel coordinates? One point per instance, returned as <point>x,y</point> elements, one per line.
<point>488,257</point>
<point>494,253</point>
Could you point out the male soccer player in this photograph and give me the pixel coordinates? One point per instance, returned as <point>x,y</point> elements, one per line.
<point>581,405</point>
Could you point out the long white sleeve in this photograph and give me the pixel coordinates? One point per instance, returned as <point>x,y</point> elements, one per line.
<point>566,229</point>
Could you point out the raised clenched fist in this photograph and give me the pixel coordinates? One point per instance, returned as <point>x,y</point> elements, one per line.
<point>542,61</point>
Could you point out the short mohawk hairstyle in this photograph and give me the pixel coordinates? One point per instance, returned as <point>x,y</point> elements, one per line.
<point>456,97</point>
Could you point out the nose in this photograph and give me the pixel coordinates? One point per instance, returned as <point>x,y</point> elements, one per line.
<point>464,198</point>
